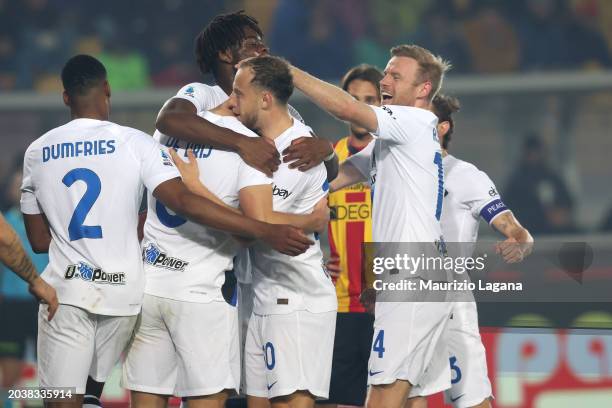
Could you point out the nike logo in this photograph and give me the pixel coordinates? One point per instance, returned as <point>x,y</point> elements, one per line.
<point>455,399</point>
<point>373,373</point>
<point>272,385</point>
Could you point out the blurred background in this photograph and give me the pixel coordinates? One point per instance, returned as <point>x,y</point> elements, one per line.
<point>534,78</point>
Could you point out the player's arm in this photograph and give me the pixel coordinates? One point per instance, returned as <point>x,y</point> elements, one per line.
<point>39,235</point>
<point>256,202</point>
<point>13,255</point>
<point>175,195</point>
<point>354,170</point>
<point>306,152</point>
<point>335,101</point>
<point>257,198</point>
<point>190,174</point>
<point>332,167</point>
<point>518,243</point>
<point>179,118</point>
<point>35,221</point>
<point>347,176</point>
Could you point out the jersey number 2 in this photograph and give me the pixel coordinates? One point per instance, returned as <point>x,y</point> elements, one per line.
<point>438,161</point>
<point>76,229</point>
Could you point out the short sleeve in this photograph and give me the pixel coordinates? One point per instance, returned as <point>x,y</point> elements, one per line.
<point>403,124</point>
<point>316,187</point>
<point>361,160</point>
<point>29,203</point>
<point>249,176</point>
<point>480,195</point>
<point>202,96</point>
<point>156,164</point>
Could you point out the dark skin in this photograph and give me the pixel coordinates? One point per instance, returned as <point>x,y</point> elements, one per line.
<point>178,118</point>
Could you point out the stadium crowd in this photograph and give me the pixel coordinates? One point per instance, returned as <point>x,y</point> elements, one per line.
<point>155,46</point>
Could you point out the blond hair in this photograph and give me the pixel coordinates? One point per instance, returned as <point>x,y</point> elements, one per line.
<point>431,67</point>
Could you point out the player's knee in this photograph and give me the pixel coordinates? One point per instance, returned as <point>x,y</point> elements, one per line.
<point>146,400</point>
<point>417,402</point>
<point>299,399</point>
<point>375,397</point>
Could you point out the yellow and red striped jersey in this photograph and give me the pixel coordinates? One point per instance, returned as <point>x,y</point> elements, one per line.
<point>349,227</point>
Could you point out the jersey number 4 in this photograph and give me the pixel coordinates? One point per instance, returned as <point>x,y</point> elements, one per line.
<point>76,229</point>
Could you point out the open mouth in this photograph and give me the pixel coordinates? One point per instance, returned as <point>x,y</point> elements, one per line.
<point>386,97</point>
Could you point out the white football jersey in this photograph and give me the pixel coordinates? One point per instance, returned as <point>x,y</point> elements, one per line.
<point>281,283</point>
<point>406,175</point>
<point>469,194</point>
<point>87,178</point>
<point>184,260</point>
<point>206,97</point>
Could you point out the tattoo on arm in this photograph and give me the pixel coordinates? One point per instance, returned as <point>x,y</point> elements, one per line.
<point>14,256</point>
<point>508,225</point>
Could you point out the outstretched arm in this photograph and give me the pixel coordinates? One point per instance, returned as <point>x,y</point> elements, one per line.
<point>13,255</point>
<point>347,176</point>
<point>179,118</point>
<point>519,242</point>
<point>306,152</point>
<point>335,101</point>
<point>176,196</point>
<point>255,201</point>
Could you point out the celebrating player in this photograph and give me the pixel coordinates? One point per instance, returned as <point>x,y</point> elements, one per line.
<point>187,342</point>
<point>82,185</point>
<point>350,226</point>
<point>469,195</point>
<point>224,42</point>
<point>291,332</point>
<point>406,175</point>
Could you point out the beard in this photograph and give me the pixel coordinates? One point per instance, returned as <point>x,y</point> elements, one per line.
<point>250,121</point>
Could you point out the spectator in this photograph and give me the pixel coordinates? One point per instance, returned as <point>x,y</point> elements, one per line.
<point>127,69</point>
<point>586,45</point>
<point>170,68</point>
<point>537,194</point>
<point>541,36</point>
<point>310,35</point>
<point>42,38</point>
<point>442,37</point>
<point>8,67</point>
<point>8,47</point>
<point>492,42</point>
<point>18,310</point>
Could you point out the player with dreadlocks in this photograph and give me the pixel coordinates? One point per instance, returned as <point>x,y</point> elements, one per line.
<point>223,43</point>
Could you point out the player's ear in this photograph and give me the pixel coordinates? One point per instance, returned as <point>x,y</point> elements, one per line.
<point>443,128</point>
<point>107,89</point>
<point>266,99</point>
<point>226,56</point>
<point>425,89</point>
<point>66,98</point>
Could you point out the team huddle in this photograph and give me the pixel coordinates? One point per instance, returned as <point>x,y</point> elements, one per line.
<point>194,257</point>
